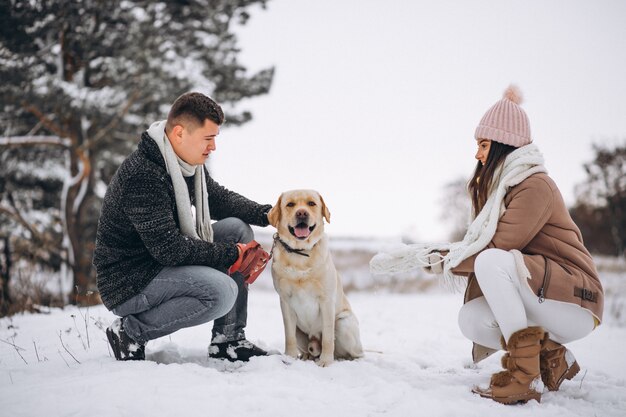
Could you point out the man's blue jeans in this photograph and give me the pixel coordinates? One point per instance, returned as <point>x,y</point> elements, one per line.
<point>185,296</point>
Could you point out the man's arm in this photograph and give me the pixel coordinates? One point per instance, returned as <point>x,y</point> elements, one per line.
<point>149,208</point>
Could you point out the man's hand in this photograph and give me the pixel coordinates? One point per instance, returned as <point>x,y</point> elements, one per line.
<point>251,262</point>
<point>436,263</point>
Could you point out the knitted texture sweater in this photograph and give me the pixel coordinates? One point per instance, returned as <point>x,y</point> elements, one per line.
<point>138,231</point>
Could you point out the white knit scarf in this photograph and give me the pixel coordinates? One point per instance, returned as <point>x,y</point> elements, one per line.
<point>518,165</point>
<point>177,168</point>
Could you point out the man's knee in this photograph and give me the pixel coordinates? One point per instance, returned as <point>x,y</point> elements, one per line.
<point>247,235</point>
<point>222,295</point>
<point>214,289</point>
<point>237,229</point>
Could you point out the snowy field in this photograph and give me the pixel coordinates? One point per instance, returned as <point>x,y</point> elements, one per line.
<point>417,363</point>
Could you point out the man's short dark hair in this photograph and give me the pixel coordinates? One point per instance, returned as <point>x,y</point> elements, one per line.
<point>194,108</point>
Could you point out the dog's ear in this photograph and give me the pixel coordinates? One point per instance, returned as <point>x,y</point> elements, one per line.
<point>325,210</point>
<point>274,214</point>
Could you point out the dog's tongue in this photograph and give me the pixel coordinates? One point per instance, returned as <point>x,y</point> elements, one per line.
<point>301,231</point>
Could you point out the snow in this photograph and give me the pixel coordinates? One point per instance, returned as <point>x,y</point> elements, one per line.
<point>416,363</point>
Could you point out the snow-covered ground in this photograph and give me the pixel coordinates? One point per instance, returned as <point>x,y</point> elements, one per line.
<point>417,363</point>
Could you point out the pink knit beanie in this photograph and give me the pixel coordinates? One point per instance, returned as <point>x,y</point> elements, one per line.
<point>505,121</point>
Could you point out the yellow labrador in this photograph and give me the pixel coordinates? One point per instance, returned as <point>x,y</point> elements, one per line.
<point>314,307</point>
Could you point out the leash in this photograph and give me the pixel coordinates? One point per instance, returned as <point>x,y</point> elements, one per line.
<point>287,247</point>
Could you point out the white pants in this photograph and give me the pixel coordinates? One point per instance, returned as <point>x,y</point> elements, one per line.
<point>510,305</point>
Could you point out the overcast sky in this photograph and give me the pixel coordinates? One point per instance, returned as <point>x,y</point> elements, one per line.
<point>375,103</point>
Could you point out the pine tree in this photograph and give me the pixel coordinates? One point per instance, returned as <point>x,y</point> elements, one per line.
<point>86,77</point>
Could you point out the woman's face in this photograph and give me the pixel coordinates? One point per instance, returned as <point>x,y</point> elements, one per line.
<point>483,150</point>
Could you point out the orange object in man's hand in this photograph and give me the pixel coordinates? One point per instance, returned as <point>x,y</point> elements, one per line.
<point>251,262</point>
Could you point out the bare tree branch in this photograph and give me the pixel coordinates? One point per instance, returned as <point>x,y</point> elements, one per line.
<point>37,236</point>
<point>35,128</point>
<point>49,124</point>
<point>34,140</point>
<point>18,217</point>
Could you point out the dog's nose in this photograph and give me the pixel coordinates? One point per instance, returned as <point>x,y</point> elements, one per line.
<point>302,214</point>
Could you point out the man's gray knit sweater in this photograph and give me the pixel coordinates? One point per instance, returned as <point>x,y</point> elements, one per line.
<point>138,231</point>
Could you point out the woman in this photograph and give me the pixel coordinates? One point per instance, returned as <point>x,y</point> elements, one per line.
<point>532,284</point>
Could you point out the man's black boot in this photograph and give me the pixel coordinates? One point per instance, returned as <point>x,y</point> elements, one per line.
<point>124,348</point>
<point>238,350</point>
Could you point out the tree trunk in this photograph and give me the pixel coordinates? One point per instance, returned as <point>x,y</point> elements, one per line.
<point>79,225</point>
<point>80,245</point>
<point>82,231</point>
<point>82,235</point>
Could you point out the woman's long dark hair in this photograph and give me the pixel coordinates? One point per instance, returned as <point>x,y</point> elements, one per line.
<point>480,184</point>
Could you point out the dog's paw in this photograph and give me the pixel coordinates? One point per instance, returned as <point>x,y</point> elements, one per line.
<point>324,361</point>
<point>292,352</point>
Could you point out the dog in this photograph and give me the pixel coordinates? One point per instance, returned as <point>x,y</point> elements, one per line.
<point>317,317</point>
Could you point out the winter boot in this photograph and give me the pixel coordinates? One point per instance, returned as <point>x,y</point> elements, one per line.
<point>521,381</point>
<point>124,348</point>
<point>557,364</point>
<point>237,350</point>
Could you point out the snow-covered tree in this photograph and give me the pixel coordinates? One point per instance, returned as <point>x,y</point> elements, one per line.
<point>600,210</point>
<point>84,77</point>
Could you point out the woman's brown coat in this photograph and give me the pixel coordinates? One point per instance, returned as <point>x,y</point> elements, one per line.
<point>537,223</point>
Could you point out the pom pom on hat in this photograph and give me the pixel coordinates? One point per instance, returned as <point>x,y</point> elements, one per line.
<point>506,122</point>
<point>514,94</point>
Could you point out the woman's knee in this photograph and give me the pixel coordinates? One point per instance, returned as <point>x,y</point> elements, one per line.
<point>493,265</point>
<point>467,321</point>
<point>477,323</point>
<point>487,259</point>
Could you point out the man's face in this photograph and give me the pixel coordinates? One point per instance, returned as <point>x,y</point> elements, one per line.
<point>194,145</point>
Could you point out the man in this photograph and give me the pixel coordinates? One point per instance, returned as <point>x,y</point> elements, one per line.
<point>160,263</point>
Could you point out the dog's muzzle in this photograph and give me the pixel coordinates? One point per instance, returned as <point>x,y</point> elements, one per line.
<point>301,230</point>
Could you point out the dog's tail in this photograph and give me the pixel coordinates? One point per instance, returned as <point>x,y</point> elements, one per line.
<point>315,347</point>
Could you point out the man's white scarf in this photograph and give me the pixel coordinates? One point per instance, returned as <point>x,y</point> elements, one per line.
<point>518,165</point>
<point>177,168</point>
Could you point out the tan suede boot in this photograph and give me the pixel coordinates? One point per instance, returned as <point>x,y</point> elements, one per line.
<point>521,381</point>
<point>557,364</point>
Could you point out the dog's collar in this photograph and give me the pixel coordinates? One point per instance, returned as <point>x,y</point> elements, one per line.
<point>289,248</point>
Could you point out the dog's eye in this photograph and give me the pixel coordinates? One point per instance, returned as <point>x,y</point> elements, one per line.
<point>291,204</point>
<point>312,203</point>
